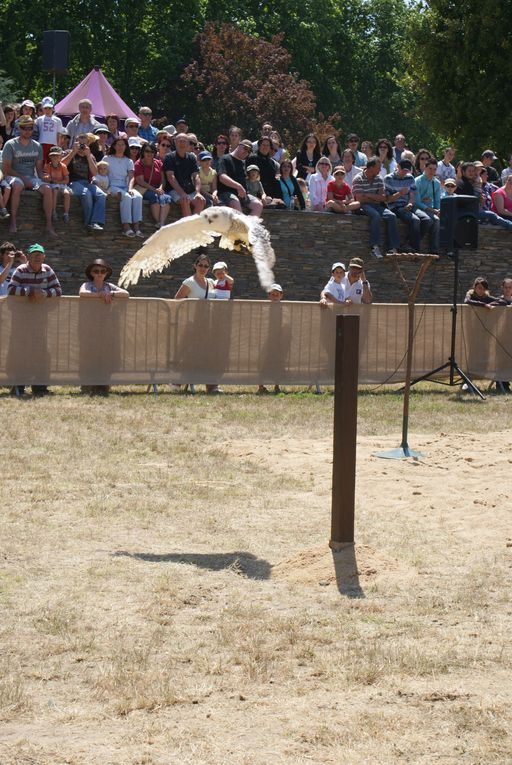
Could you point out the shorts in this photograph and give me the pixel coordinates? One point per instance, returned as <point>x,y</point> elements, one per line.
<point>176,197</point>
<point>60,186</point>
<point>227,196</point>
<point>36,182</point>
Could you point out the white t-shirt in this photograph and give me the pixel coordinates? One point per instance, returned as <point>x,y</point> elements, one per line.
<point>49,128</point>
<point>337,290</point>
<point>118,169</point>
<point>354,172</point>
<point>354,291</point>
<point>196,291</point>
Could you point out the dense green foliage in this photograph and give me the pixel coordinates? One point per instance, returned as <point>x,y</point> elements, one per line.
<point>435,71</point>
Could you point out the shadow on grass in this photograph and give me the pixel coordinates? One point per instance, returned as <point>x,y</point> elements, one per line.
<point>244,563</point>
<point>346,572</point>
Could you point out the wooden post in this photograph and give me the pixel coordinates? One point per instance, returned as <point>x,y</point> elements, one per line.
<point>346,374</point>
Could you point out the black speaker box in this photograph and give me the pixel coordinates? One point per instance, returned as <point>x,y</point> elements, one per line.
<point>56,51</point>
<point>459,223</point>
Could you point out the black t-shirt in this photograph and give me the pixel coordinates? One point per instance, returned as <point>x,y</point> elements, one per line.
<point>492,175</point>
<point>233,167</point>
<point>78,168</point>
<point>183,169</point>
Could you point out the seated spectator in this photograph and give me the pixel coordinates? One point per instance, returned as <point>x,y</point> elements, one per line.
<point>334,290</point>
<point>7,120</point>
<point>269,169</point>
<point>56,174</point>
<point>220,147</point>
<point>193,143</point>
<point>486,189</point>
<point>48,127</point>
<point>112,122</point>
<point>131,126</point>
<point>357,286</point>
<point>164,145</point>
<point>304,162</point>
<point>368,189</point>
<point>182,177</point>
<point>102,134</point>
<point>36,281</point>
<point>339,194</point>
<point>208,178</point>
<point>458,170</point>
<point>22,162</point>
<point>278,150</point>
<point>7,256</point>
<point>488,157</point>
<point>368,149</point>
<point>385,154</point>
<point>400,188</point>
<point>181,126</point>
<point>421,159</point>
<point>232,181</point>
<point>235,136</point>
<point>399,147</point>
<point>408,154</point>
<point>303,186</point>
<point>290,190</point>
<point>332,150</point>
<point>147,131</point>
<point>504,173</point>
<point>427,198</point>
<point>266,130</point>
<point>82,168</point>
<point>223,281</point>
<point>254,186</point>
<point>450,185</point>
<point>149,179</point>
<point>5,193</point>
<point>445,169</point>
<point>134,147</point>
<point>318,183</point>
<point>502,200</point>
<point>467,187</point>
<point>83,122</point>
<point>102,178</point>
<point>27,109</point>
<point>360,159</point>
<point>351,171</point>
<point>479,295</point>
<point>121,174</point>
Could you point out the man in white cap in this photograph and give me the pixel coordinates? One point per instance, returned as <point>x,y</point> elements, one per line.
<point>48,126</point>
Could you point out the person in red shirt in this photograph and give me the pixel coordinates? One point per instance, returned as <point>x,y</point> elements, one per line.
<point>339,194</point>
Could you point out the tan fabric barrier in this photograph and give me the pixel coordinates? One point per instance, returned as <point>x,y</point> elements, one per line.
<point>142,340</point>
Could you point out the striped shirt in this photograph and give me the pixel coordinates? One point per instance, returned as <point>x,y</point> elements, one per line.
<point>364,185</point>
<point>394,183</point>
<point>24,279</point>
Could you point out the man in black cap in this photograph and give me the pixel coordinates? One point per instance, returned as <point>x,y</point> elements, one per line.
<point>488,157</point>
<point>400,188</point>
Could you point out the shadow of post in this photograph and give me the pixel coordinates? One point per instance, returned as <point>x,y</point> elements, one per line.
<point>346,571</point>
<point>240,562</point>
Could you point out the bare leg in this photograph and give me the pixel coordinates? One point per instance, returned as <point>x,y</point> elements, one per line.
<point>164,212</point>
<point>46,193</point>
<point>15,202</point>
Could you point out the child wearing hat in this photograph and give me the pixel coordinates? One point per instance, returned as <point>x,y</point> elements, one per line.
<point>448,188</point>
<point>48,127</point>
<point>56,174</point>
<point>254,185</point>
<point>223,281</point>
<point>334,290</point>
<point>339,194</point>
<point>275,294</point>
<point>208,178</point>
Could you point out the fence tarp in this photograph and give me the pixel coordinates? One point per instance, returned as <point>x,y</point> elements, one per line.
<point>68,341</point>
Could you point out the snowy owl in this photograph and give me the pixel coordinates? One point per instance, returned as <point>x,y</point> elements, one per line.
<point>237,232</point>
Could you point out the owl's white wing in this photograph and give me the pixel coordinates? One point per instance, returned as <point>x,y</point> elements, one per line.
<point>165,245</point>
<point>262,252</point>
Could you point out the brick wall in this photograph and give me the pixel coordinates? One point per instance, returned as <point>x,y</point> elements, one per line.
<point>306,244</point>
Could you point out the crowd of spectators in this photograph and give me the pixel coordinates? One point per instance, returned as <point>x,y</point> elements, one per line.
<point>137,161</point>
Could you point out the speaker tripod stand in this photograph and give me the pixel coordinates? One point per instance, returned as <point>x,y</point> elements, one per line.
<point>456,375</point>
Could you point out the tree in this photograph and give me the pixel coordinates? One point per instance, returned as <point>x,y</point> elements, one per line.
<point>463,65</point>
<point>237,78</point>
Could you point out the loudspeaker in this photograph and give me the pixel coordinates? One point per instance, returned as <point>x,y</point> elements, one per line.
<point>56,51</point>
<point>459,223</point>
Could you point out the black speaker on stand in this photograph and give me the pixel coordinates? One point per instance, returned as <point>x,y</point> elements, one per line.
<point>56,53</point>
<point>458,231</point>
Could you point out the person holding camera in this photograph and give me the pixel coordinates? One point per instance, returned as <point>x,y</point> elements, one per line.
<point>82,167</point>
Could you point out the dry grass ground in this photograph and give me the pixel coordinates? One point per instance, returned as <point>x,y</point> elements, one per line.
<point>167,594</point>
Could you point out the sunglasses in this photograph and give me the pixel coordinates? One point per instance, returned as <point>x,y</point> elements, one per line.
<point>165,145</point>
<point>222,143</point>
<point>99,271</point>
<point>203,265</point>
<point>26,127</point>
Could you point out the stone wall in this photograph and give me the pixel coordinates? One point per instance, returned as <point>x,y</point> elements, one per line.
<point>306,244</point>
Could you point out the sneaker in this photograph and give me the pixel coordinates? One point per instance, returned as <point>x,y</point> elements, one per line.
<point>392,251</point>
<point>95,227</point>
<point>158,225</point>
<point>4,213</point>
<point>375,251</point>
<point>65,217</point>
<point>140,234</point>
<point>129,233</point>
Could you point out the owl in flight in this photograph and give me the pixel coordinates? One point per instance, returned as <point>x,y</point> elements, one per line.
<point>243,233</point>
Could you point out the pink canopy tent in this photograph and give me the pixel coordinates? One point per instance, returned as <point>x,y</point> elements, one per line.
<point>100,92</point>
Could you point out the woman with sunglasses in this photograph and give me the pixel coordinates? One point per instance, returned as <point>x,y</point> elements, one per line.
<point>421,158</point>
<point>318,184</point>
<point>149,179</point>
<point>164,145</point>
<point>220,147</point>
<point>122,185</point>
<point>385,154</point>
<point>201,287</point>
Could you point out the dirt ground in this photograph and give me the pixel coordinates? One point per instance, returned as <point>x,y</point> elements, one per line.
<point>154,621</point>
